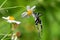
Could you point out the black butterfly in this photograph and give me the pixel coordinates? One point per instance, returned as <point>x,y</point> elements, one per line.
<point>37,19</point>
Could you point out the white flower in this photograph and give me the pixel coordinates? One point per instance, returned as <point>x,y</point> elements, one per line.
<point>10,19</point>
<point>29,11</point>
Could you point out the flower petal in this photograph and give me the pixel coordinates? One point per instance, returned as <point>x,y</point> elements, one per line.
<point>9,21</point>
<point>24,14</point>
<point>6,18</point>
<point>17,22</point>
<point>13,21</point>
<point>34,16</point>
<point>33,7</point>
<point>28,8</point>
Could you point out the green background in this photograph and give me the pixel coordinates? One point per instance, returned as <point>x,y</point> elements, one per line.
<point>50,10</point>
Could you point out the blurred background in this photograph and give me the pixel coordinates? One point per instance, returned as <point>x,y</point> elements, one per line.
<point>50,10</point>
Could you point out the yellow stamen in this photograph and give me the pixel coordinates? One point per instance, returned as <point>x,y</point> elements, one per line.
<point>29,12</point>
<point>11,18</point>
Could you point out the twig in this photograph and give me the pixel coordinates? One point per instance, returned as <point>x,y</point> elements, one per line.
<point>3,3</point>
<point>11,7</point>
<point>4,36</point>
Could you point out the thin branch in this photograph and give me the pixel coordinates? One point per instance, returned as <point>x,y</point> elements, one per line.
<point>11,7</point>
<point>3,3</point>
<point>5,34</point>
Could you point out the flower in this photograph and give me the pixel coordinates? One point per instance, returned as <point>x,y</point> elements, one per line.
<point>11,19</point>
<point>29,11</point>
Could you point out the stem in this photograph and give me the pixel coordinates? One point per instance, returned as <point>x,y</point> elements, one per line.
<point>4,36</point>
<point>13,29</point>
<point>11,7</point>
<point>39,30</point>
<point>3,3</point>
